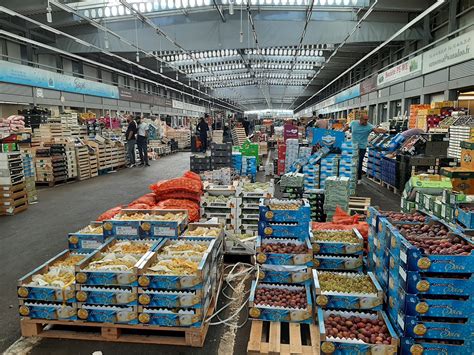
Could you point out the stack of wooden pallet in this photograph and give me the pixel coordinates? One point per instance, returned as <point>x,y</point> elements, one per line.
<point>13,195</point>
<point>71,160</point>
<point>182,136</point>
<point>238,136</point>
<point>83,162</point>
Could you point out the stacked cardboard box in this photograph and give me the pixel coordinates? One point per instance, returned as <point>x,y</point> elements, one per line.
<point>412,123</point>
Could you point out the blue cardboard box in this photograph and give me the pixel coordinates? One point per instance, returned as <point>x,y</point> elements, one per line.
<point>106,295</point>
<point>33,286</point>
<point>285,274</point>
<point>339,300</point>
<point>281,314</point>
<point>409,345</point>
<point>107,314</point>
<point>87,239</point>
<point>466,218</point>
<point>324,242</point>
<point>271,212</point>
<point>149,226</point>
<point>48,310</point>
<point>341,346</point>
<point>298,230</point>
<point>273,258</point>
<point>168,317</point>
<point>333,262</point>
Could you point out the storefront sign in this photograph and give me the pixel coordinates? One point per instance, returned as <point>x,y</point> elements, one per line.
<point>186,106</point>
<point>25,75</point>
<point>453,52</point>
<point>137,96</point>
<point>348,94</point>
<point>400,71</point>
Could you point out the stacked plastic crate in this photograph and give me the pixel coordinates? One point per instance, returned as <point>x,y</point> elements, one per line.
<point>249,167</point>
<point>199,164</point>
<point>316,201</point>
<point>291,153</point>
<point>30,176</point>
<point>348,164</point>
<point>221,155</point>
<point>13,195</point>
<point>329,167</point>
<point>250,195</point>
<point>284,253</point>
<point>337,193</point>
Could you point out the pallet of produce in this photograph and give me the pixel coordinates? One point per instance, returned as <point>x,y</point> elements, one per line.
<point>53,281</point>
<point>147,223</point>
<point>339,242</point>
<point>336,262</point>
<point>249,214</point>
<point>219,213</point>
<point>298,230</point>
<point>275,251</point>
<point>342,290</point>
<point>87,239</point>
<point>116,263</point>
<point>178,265</point>
<point>281,302</point>
<point>277,210</point>
<point>220,190</point>
<point>107,295</point>
<point>344,332</point>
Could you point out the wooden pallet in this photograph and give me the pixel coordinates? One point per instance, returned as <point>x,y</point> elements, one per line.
<point>359,205</point>
<point>120,333</point>
<point>390,187</point>
<point>283,338</point>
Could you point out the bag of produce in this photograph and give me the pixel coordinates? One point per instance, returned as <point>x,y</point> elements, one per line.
<point>148,199</point>
<point>139,206</point>
<point>109,214</point>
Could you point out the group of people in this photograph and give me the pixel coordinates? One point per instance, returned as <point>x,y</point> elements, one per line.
<point>137,134</point>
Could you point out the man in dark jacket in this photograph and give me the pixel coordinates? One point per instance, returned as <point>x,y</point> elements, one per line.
<point>130,137</point>
<point>202,128</point>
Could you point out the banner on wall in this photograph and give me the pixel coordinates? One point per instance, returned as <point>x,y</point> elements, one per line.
<point>368,85</point>
<point>25,75</point>
<point>348,94</point>
<point>457,50</point>
<point>400,71</point>
<point>186,106</point>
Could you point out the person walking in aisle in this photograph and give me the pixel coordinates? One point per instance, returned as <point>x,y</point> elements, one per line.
<point>202,128</point>
<point>130,137</point>
<point>142,141</point>
<point>360,135</point>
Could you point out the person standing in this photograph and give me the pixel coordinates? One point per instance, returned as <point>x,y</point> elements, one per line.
<point>142,141</point>
<point>360,135</point>
<point>130,137</point>
<point>202,128</point>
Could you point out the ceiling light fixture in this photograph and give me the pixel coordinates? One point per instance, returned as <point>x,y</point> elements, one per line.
<point>49,15</point>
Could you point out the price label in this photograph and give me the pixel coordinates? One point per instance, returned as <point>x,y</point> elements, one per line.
<point>403,256</point>
<point>126,230</point>
<point>164,231</point>
<point>91,244</point>
<point>374,221</point>
<point>402,273</point>
<point>401,322</point>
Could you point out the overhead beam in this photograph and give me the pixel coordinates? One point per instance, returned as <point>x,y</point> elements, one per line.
<point>219,10</point>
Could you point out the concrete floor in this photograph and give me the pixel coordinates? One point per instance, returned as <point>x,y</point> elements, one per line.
<point>32,237</point>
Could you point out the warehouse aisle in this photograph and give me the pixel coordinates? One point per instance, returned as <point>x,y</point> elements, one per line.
<point>39,233</point>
